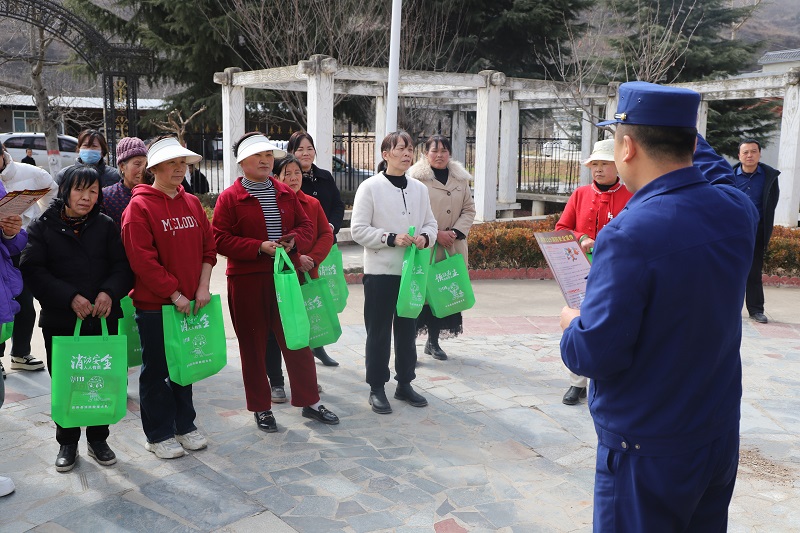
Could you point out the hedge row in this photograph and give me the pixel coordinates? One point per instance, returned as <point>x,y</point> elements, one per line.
<point>512,245</point>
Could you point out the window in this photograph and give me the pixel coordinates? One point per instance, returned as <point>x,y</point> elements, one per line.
<point>25,121</point>
<point>67,145</point>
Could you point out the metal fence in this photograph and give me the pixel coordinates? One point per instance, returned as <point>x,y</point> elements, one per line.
<point>545,165</point>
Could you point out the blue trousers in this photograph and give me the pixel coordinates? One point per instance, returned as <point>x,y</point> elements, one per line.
<point>167,407</point>
<point>689,492</point>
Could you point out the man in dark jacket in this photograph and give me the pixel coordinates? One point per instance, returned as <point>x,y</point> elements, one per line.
<point>760,183</point>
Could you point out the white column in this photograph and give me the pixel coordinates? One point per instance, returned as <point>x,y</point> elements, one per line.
<point>320,70</point>
<point>232,123</point>
<point>509,151</point>
<point>702,118</point>
<point>588,138</point>
<point>380,126</point>
<point>789,155</point>
<point>458,135</point>
<point>486,143</point>
<point>613,100</point>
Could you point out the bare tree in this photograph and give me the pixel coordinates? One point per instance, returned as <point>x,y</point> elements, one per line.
<point>752,4</point>
<point>175,122</point>
<point>355,32</point>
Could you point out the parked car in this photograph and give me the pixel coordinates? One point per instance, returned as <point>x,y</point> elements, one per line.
<point>348,178</point>
<point>17,143</point>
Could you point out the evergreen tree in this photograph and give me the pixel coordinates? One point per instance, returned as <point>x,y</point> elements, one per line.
<point>684,40</point>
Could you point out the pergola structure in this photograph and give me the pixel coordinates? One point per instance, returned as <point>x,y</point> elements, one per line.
<point>497,100</point>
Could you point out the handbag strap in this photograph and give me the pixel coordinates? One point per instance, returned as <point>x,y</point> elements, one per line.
<point>282,261</point>
<point>79,322</point>
<point>433,253</point>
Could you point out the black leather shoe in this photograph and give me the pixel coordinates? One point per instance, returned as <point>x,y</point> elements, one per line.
<point>573,395</point>
<point>761,318</point>
<point>379,402</point>
<point>323,356</point>
<point>406,393</point>
<point>265,421</point>
<point>102,453</point>
<point>66,457</point>
<point>324,415</point>
<point>432,348</point>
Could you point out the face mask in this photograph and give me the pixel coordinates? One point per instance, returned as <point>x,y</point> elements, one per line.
<point>90,157</point>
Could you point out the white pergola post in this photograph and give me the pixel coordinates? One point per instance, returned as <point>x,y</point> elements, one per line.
<point>509,152</point>
<point>320,70</point>
<point>789,155</point>
<point>380,126</point>
<point>588,138</point>
<point>702,117</point>
<point>458,135</point>
<point>613,100</point>
<point>486,144</point>
<point>232,121</point>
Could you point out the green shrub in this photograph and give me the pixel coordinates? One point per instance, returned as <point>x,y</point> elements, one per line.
<point>783,254</point>
<point>508,244</point>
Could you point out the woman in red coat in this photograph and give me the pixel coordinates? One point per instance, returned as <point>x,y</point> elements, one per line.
<point>252,218</point>
<point>289,173</point>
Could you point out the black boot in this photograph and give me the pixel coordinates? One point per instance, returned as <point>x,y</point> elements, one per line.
<point>432,348</point>
<point>406,393</point>
<point>323,356</point>
<point>379,402</point>
<point>101,453</point>
<point>66,457</point>
<point>573,395</point>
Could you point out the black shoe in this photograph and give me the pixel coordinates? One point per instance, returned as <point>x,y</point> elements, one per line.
<point>324,415</point>
<point>406,393</point>
<point>379,403</point>
<point>432,348</point>
<point>761,318</point>
<point>323,356</point>
<point>573,395</point>
<point>66,457</point>
<point>101,453</point>
<point>265,421</point>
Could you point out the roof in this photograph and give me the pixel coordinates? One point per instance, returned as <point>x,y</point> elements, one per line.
<point>780,56</point>
<point>81,102</point>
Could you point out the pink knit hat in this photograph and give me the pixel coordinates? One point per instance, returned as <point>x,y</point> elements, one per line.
<point>128,147</point>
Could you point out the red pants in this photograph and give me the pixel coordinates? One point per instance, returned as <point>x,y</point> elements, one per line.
<point>254,310</point>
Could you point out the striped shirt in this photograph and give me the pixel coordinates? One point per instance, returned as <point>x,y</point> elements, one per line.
<point>264,192</point>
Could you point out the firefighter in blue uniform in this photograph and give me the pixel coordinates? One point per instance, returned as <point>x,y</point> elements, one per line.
<point>660,329</point>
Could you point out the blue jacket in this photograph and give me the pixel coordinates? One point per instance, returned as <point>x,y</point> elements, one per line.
<point>10,277</point>
<point>660,328</point>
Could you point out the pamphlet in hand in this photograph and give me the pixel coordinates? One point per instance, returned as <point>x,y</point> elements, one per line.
<point>568,263</point>
<point>17,202</point>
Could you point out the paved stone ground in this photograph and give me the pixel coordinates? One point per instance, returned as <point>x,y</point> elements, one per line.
<point>494,451</point>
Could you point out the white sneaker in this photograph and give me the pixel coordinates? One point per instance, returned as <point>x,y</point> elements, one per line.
<point>166,449</point>
<point>6,486</point>
<point>26,362</point>
<point>193,440</point>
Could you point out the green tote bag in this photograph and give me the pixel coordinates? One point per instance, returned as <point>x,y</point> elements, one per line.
<point>413,280</point>
<point>6,331</point>
<point>194,344</point>
<point>449,289</point>
<point>332,271</point>
<point>129,328</point>
<point>291,306</point>
<point>89,378</point>
<point>322,317</point>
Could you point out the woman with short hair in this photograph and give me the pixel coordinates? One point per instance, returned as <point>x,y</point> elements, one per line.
<point>252,219</point>
<point>76,266</point>
<point>386,205</point>
<point>92,150</point>
<point>171,248</point>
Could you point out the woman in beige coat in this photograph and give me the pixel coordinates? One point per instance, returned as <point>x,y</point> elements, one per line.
<point>454,210</point>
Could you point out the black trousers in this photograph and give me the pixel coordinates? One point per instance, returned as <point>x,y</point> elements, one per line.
<point>754,292</point>
<point>380,318</point>
<point>89,327</point>
<point>24,322</point>
<point>274,360</point>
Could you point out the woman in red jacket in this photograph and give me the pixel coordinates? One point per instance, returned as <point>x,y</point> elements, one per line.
<point>252,218</point>
<point>171,250</point>
<point>288,172</point>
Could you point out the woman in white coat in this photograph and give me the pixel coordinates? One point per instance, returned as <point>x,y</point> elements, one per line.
<point>454,209</point>
<point>386,205</point>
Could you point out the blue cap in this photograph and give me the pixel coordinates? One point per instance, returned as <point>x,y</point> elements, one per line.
<point>648,104</point>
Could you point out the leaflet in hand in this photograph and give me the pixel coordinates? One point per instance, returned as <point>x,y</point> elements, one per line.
<point>17,202</point>
<point>568,263</point>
